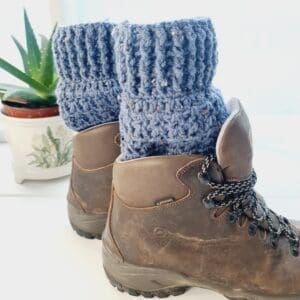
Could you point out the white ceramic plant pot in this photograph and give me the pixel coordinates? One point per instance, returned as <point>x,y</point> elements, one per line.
<point>41,148</point>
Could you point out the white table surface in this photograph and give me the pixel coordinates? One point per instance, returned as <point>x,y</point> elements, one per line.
<point>42,258</point>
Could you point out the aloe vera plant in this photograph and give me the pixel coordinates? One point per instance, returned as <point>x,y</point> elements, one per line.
<point>39,72</point>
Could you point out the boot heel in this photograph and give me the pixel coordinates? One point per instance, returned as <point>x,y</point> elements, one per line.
<point>89,226</point>
<point>148,282</point>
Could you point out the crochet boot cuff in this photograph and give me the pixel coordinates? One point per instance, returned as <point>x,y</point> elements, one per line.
<point>88,87</point>
<point>168,103</point>
<point>166,58</point>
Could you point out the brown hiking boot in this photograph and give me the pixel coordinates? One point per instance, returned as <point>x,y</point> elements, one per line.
<point>95,150</point>
<point>194,221</point>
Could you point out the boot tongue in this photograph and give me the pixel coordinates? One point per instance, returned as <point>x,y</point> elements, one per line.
<point>234,144</point>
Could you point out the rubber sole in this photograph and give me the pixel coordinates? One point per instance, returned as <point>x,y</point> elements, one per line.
<point>154,282</point>
<point>86,235</point>
<point>164,293</point>
<point>86,225</point>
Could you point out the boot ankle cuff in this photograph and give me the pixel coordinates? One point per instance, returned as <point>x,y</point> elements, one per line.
<point>182,124</point>
<point>166,58</point>
<point>88,88</point>
<point>85,52</point>
<point>88,103</point>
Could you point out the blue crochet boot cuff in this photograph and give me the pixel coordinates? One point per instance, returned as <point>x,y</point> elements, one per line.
<point>168,103</point>
<point>88,88</point>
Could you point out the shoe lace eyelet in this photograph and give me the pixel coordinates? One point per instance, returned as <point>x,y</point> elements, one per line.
<point>214,215</point>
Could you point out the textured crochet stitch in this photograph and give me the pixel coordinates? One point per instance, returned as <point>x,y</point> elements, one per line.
<point>169,105</point>
<point>88,87</point>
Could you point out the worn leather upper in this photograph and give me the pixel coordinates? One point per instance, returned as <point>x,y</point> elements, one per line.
<point>95,150</point>
<point>157,219</point>
<point>234,145</point>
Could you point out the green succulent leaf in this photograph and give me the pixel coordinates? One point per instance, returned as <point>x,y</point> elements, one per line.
<point>40,88</point>
<point>53,85</point>
<point>23,96</point>
<point>47,63</point>
<point>34,54</point>
<point>51,99</point>
<point>2,95</point>
<point>8,87</point>
<point>24,56</point>
<point>44,42</point>
<point>39,71</point>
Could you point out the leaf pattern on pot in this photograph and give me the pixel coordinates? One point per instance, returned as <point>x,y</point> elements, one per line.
<point>51,149</point>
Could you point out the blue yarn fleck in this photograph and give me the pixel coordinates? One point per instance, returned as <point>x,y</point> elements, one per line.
<point>88,88</point>
<point>165,72</point>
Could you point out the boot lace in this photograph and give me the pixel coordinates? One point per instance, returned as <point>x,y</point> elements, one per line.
<point>241,200</point>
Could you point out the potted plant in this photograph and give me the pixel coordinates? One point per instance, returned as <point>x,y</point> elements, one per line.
<point>40,143</point>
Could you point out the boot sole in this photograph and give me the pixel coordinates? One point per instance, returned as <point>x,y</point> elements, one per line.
<point>86,225</point>
<point>154,282</point>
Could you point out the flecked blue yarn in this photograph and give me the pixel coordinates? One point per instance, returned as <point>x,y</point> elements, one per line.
<point>169,105</point>
<point>88,88</point>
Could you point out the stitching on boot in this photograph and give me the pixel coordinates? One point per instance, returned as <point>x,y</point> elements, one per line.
<point>90,170</point>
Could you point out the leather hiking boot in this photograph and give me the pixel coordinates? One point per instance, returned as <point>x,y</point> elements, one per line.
<point>195,221</point>
<point>94,151</point>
